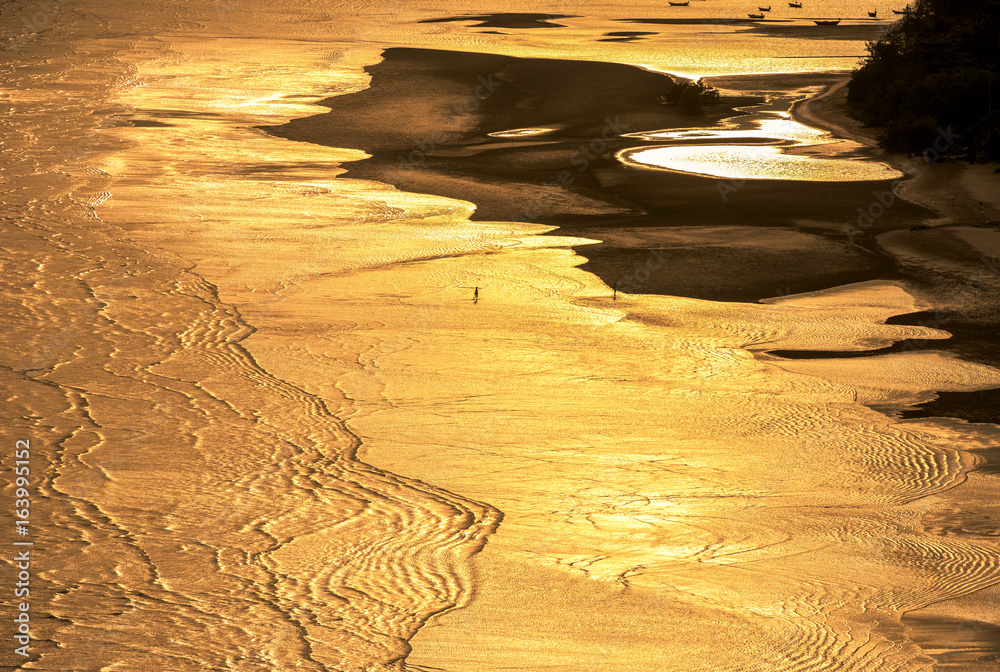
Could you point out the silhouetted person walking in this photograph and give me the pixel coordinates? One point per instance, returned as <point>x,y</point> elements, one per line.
<point>475,296</point>
<point>616,292</point>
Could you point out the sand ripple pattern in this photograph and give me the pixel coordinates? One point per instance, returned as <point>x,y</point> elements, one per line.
<point>220,518</point>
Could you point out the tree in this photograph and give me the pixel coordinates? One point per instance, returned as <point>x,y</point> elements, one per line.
<point>933,70</point>
<point>690,97</point>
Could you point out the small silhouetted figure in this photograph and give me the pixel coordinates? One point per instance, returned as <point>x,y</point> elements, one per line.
<point>475,296</point>
<point>616,292</point>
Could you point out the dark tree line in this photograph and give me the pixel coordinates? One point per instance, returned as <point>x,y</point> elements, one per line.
<point>934,69</point>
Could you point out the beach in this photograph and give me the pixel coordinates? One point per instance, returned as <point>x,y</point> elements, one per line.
<point>384,345</point>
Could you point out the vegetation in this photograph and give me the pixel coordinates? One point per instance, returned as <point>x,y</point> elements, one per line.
<point>690,97</point>
<point>934,69</point>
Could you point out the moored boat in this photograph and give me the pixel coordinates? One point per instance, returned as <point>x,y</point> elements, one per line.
<point>832,22</point>
<point>756,16</point>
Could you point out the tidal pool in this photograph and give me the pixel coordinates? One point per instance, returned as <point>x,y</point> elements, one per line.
<point>755,162</point>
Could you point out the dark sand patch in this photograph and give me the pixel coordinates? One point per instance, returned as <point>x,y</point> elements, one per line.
<point>626,36</point>
<point>982,406</point>
<point>955,643</point>
<point>509,20</point>
<point>708,273</point>
<point>695,200</point>
<point>955,267</point>
<point>855,32</point>
<point>424,100</point>
<point>723,263</point>
<point>147,123</point>
<point>906,345</point>
<point>630,33</point>
<point>973,339</point>
<point>173,114</point>
<point>422,105</point>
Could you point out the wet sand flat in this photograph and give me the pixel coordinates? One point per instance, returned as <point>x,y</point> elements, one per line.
<point>275,428</point>
<point>565,172</point>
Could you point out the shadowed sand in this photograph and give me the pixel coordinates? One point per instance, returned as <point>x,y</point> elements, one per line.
<point>534,140</point>
<point>506,20</point>
<point>953,260</point>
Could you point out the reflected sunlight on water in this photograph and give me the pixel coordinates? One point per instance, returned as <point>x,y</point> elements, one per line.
<point>763,139</point>
<point>756,163</point>
<point>521,132</point>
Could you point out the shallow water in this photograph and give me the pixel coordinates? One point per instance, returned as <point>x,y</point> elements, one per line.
<point>758,163</point>
<point>274,431</point>
<point>767,151</point>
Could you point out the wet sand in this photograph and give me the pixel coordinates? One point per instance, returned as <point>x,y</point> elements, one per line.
<point>950,259</point>
<point>275,430</point>
<point>566,174</point>
<point>659,233</point>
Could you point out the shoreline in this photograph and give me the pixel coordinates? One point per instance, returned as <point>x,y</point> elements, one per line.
<point>958,191</point>
<point>821,111</point>
<point>426,314</point>
<point>950,259</point>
